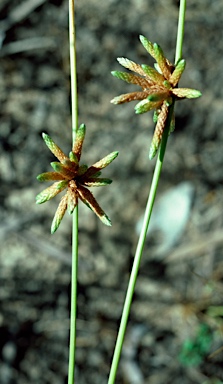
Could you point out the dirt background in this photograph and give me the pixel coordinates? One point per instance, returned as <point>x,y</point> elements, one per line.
<point>176,320</point>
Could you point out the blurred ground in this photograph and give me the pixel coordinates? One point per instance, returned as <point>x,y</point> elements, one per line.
<point>176,317</point>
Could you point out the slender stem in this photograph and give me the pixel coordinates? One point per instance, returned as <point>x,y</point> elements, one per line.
<point>180,30</point>
<point>73,69</point>
<point>148,212</point>
<point>74,268</point>
<point>73,309</point>
<point>138,254</point>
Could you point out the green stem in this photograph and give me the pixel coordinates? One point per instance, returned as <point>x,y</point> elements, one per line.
<point>73,309</point>
<point>138,253</point>
<point>180,30</point>
<point>74,268</point>
<point>73,69</point>
<point>148,212</point>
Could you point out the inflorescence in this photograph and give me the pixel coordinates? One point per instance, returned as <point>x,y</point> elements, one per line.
<point>159,88</point>
<point>70,175</point>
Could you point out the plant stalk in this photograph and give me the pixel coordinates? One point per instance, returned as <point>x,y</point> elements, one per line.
<point>73,69</point>
<point>180,30</point>
<point>74,268</point>
<point>138,253</point>
<point>148,212</point>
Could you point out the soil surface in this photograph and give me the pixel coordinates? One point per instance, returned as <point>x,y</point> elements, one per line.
<point>175,330</point>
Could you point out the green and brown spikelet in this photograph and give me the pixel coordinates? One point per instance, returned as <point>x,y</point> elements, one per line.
<point>70,175</point>
<point>159,88</point>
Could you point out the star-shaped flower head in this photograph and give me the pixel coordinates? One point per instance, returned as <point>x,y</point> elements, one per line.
<point>69,174</point>
<point>159,88</point>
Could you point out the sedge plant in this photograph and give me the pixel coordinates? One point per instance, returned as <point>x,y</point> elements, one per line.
<point>159,92</point>
<point>74,178</point>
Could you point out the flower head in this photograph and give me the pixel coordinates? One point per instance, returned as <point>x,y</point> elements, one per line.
<point>70,175</point>
<point>159,88</point>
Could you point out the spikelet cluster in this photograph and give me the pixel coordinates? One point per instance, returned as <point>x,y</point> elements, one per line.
<point>159,88</point>
<point>69,175</point>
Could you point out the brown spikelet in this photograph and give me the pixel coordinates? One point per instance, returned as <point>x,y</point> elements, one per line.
<point>61,209</point>
<point>131,65</point>
<point>129,97</point>
<point>157,137</point>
